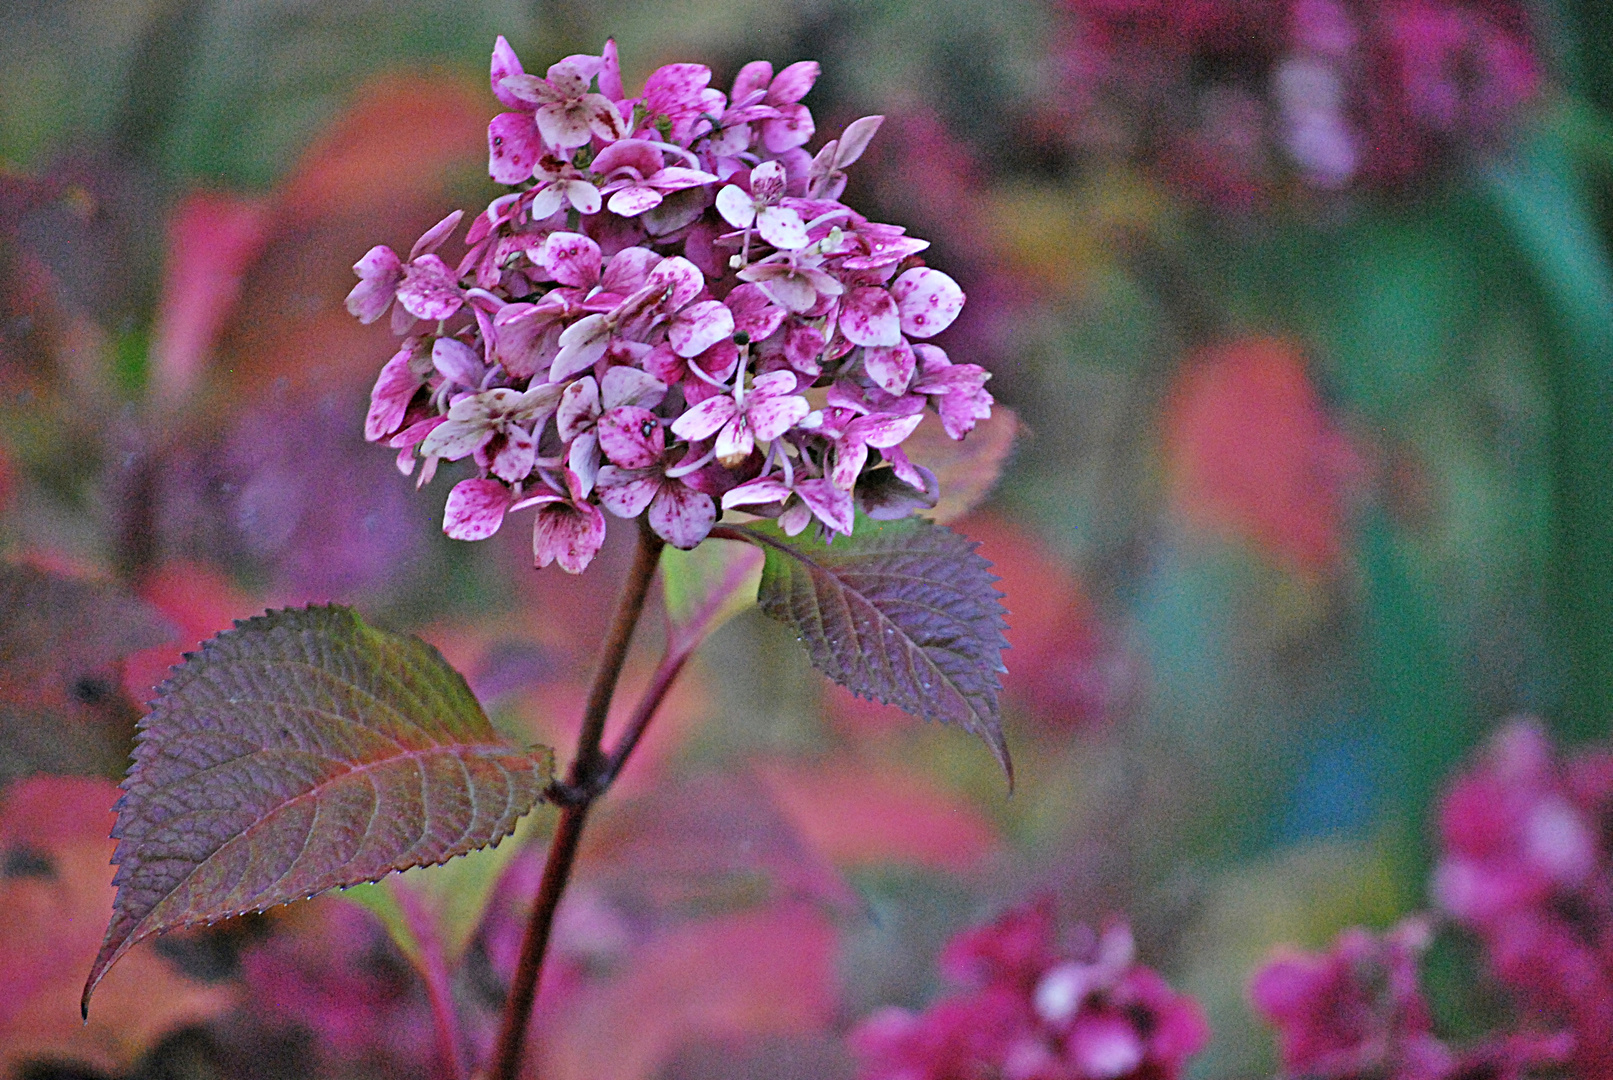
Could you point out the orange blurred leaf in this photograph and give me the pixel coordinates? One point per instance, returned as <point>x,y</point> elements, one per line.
<point>55,898</point>
<point>212,239</point>
<point>757,973</point>
<point>856,814</point>
<point>200,602</point>
<point>967,469</point>
<point>1252,454</point>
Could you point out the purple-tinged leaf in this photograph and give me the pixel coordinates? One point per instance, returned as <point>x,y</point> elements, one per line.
<point>299,752</point>
<point>902,612</point>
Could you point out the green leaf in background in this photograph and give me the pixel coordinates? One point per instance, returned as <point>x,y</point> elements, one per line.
<point>300,752</point>
<point>705,587</point>
<point>1543,204</point>
<point>449,898</point>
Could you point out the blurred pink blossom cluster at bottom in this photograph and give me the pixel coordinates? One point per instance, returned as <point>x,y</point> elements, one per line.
<point>1526,866</point>
<point>1358,1010</point>
<point>1031,1011</point>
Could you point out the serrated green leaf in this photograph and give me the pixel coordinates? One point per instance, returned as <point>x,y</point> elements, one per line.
<point>299,752</point>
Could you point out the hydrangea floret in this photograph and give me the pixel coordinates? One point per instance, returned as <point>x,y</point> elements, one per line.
<point>671,314</point>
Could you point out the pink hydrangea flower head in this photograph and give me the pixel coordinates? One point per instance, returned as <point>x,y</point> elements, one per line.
<point>636,327</point>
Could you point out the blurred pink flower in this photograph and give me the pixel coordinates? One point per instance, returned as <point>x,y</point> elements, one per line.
<point>1030,1011</point>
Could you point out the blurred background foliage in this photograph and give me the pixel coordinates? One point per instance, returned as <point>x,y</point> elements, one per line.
<point>1314,486</point>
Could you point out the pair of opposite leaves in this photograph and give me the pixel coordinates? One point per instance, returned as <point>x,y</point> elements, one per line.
<point>305,750</point>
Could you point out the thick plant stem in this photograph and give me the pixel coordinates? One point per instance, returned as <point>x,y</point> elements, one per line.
<point>578,795</point>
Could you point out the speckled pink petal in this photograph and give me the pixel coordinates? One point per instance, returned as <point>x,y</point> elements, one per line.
<point>890,368</point>
<point>626,492</point>
<point>631,437</point>
<point>850,457</point>
<point>610,72</point>
<point>429,289</point>
<point>628,270</point>
<point>959,411</point>
<point>513,147</point>
<point>680,515</point>
<point>833,506</point>
<point>803,349</point>
<point>773,417</point>
<point>678,178</point>
<point>581,346</point>
<point>782,227</point>
<point>928,300</point>
<point>579,408</point>
<point>678,279</point>
<point>456,439</point>
<point>792,127</point>
<point>704,420</point>
<point>754,314</point>
<point>759,492</point>
<point>793,83</point>
<point>883,431</point>
<point>515,458</point>
<point>569,258</point>
<point>633,201</point>
<point>564,124</point>
<point>630,386</point>
<point>475,509</point>
<point>505,64</point>
<point>434,237</point>
<point>390,398</point>
<point>700,326</point>
<point>735,441</point>
<point>754,77</point>
<point>736,206</point>
<point>674,85</point>
<point>569,535</point>
<point>868,316</point>
<point>456,361</point>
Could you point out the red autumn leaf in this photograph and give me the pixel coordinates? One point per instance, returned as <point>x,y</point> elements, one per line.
<point>857,814</point>
<point>55,896</point>
<point>200,602</point>
<point>1062,664</point>
<point>965,469</point>
<point>764,972</point>
<point>1252,454</point>
<point>212,238</point>
<point>380,171</point>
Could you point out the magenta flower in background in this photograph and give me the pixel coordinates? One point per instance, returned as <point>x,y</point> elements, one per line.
<point>1230,98</point>
<point>636,326</point>
<point>1526,866</point>
<point>1029,1010</point>
<point>1358,1011</point>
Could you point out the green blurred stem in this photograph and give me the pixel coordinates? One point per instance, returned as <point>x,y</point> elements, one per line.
<point>577,795</point>
<point>1543,205</point>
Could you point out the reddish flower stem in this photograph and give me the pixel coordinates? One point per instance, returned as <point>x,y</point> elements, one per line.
<point>581,788</point>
